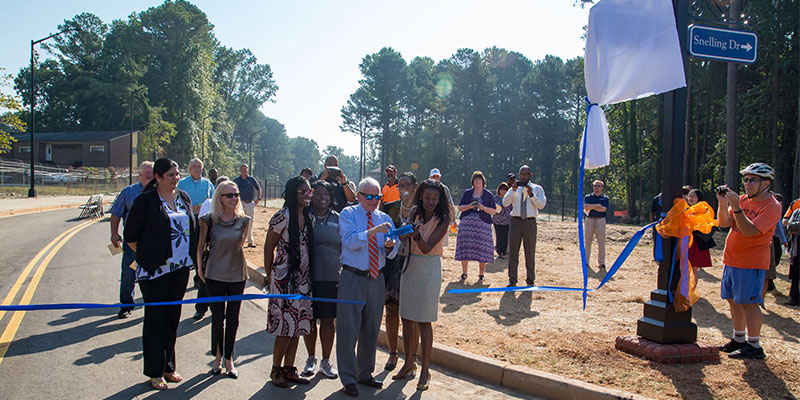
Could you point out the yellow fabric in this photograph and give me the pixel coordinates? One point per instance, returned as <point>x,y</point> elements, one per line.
<point>680,222</point>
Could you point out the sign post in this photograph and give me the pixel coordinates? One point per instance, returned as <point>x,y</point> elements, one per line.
<point>723,44</point>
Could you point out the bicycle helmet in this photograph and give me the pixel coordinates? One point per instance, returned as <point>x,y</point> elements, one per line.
<point>759,169</point>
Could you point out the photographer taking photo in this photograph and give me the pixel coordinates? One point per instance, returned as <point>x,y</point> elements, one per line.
<point>752,218</point>
<point>343,191</point>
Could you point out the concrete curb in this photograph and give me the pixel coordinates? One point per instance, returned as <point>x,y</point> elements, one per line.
<point>516,377</point>
<point>8,213</point>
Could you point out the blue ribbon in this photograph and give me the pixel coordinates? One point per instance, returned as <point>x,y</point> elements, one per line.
<point>610,274</point>
<point>216,299</point>
<point>584,264</point>
<point>671,270</point>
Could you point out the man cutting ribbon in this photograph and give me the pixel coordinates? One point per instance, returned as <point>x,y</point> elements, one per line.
<point>364,247</point>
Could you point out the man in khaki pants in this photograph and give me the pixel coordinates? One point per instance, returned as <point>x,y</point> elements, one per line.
<point>595,206</point>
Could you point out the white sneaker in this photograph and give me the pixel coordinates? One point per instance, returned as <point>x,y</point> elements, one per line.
<point>311,366</point>
<point>327,369</point>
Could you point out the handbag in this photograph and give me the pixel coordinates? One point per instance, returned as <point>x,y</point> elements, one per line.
<point>793,224</point>
<point>705,241</point>
<point>207,250</point>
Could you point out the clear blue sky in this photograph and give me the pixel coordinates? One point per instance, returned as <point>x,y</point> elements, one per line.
<point>314,48</point>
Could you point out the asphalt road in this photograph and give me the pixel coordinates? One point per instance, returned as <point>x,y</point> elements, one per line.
<point>91,354</point>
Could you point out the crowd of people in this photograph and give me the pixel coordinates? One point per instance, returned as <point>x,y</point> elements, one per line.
<point>332,239</point>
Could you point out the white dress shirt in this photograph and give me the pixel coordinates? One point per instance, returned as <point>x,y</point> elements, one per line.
<point>533,204</point>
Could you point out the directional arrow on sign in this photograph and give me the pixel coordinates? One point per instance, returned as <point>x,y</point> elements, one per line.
<point>747,46</point>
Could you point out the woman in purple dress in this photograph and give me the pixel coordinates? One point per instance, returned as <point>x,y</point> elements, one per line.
<point>474,241</point>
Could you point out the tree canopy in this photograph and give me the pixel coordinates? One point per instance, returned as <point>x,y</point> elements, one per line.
<point>495,110</point>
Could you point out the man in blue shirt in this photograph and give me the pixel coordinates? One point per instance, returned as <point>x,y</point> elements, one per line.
<point>119,212</point>
<point>249,194</point>
<point>364,247</point>
<point>199,189</point>
<point>595,206</point>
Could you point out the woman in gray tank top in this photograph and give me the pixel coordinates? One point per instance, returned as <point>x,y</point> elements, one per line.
<point>325,278</point>
<point>224,231</point>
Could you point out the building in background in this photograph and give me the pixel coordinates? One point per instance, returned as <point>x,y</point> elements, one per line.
<point>78,149</point>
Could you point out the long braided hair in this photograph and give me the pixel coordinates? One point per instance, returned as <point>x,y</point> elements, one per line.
<point>291,204</point>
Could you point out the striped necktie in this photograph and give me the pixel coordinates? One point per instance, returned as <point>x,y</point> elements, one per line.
<point>373,250</point>
<point>523,208</point>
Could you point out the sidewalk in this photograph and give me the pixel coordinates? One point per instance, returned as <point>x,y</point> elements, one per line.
<point>494,372</point>
<point>24,205</point>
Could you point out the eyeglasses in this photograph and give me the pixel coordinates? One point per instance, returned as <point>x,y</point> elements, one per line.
<point>230,195</point>
<point>371,196</point>
<point>597,185</point>
<point>306,192</point>
<point>753,180</point>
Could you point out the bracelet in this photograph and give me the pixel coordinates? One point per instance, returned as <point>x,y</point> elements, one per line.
<point>737,212</point>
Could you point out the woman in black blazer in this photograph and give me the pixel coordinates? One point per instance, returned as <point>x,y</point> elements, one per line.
<point>162,230</point>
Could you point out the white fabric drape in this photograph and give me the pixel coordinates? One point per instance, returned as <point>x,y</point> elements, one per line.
<point>632,51</point>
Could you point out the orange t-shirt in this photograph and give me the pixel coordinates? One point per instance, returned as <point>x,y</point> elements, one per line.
<point>795,205</point>
<point>390,193</point>
<point>752,252</point>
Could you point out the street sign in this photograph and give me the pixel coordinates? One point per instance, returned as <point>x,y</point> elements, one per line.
<point>723,44</point>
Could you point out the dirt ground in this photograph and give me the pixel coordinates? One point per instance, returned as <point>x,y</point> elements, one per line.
<point>549,331</point>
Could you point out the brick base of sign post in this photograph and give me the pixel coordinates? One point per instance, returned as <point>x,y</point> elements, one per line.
<point>684,353</point>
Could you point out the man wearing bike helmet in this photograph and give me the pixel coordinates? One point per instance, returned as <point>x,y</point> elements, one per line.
<point>752,218</point>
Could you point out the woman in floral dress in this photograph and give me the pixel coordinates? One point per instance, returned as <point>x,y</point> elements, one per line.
<point>287,255</point>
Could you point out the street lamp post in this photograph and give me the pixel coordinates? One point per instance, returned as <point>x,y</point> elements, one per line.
<point>130,139</point>
<point>32,190</point>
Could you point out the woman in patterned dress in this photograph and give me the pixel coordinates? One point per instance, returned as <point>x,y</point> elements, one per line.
<point>162,230</point>
<point>287,255</point>
<point>474,241</point>
<point>501,221</point>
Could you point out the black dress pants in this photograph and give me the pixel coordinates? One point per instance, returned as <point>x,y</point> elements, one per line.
<point>224,316</point>
<point>202,291</point>
<point>501,245</point>
<point>160,327</point>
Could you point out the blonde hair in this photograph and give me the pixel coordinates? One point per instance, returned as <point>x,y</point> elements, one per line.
<point>216,212</point>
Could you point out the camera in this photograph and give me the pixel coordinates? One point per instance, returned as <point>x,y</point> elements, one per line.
<point>722,189</point>
<point>333,172</point>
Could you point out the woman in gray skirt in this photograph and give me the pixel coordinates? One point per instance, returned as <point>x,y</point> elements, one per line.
<point>422,278</point>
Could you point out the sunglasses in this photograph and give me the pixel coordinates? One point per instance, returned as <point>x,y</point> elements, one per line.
<point>371,196</point>
<point>230,195</point>
<point>753,180</point>
<point>306,192</point>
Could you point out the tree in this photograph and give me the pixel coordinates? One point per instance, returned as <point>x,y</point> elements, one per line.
<point>358,119</point>
<point>384,80</point>
<point>9,121</point>
<point>306,154</point>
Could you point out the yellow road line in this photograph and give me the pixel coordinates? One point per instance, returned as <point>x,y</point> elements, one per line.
<point>24,275</point>
<point>16,319</point>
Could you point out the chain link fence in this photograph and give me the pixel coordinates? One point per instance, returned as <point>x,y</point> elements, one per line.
<point>58,180</point>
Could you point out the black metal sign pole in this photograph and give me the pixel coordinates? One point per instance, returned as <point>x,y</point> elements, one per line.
<point>660,322</point>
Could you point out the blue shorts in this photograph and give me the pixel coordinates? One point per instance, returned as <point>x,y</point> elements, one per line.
<point>743,285</point>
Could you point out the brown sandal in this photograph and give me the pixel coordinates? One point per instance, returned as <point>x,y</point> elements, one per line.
<point>406,373</point>
<point>277,377</point>
<point>290,373</point>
